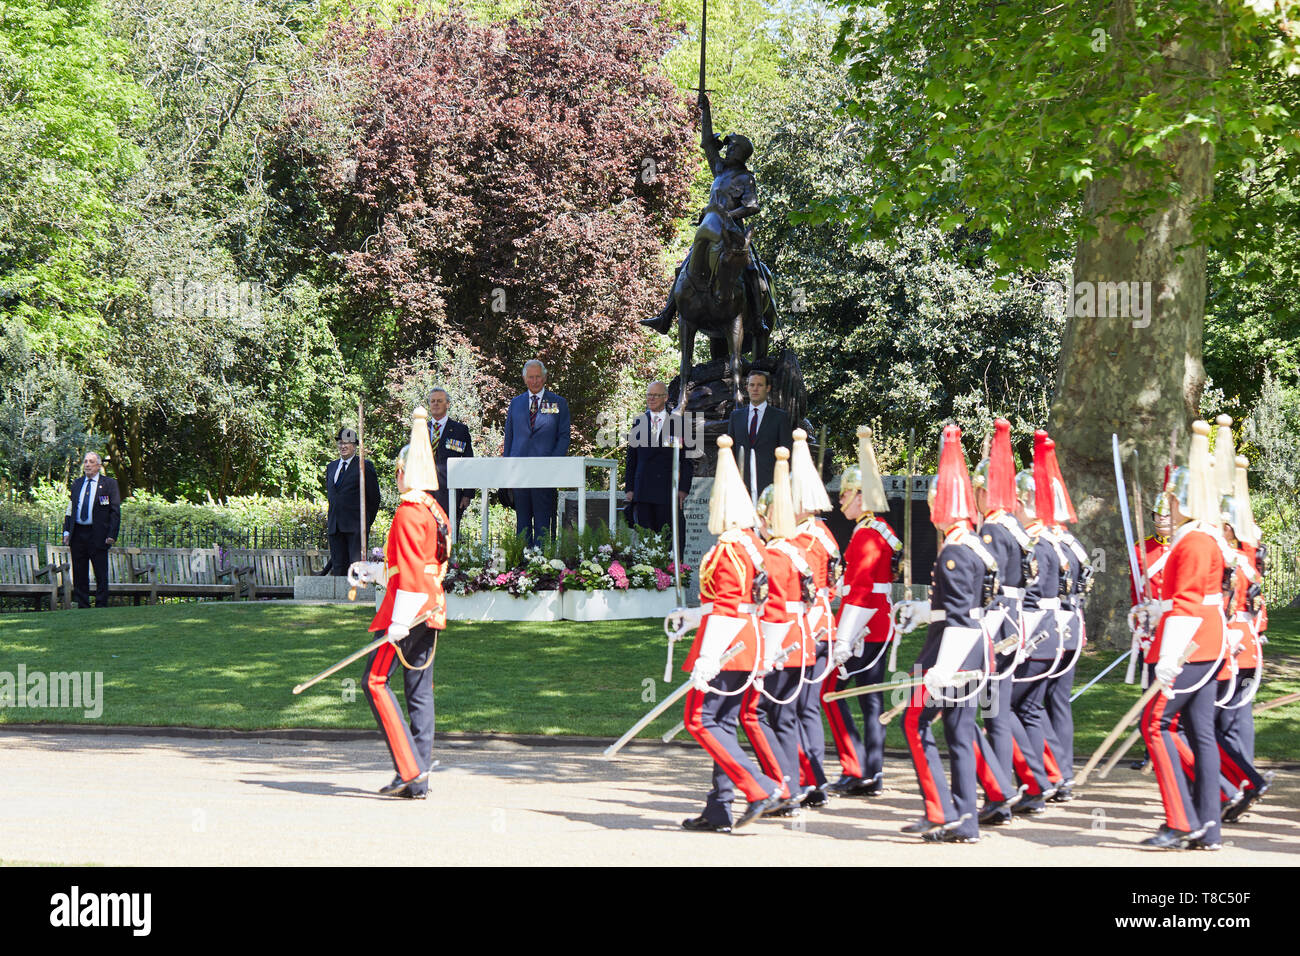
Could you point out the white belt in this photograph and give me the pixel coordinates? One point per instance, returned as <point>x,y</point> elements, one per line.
<point>707,608</point>
<point>1049,604</point>
<point>823,592</point>
<point>1209,600</point>
<point>1013,592</point>
<point>1243,617</point>
<point>881,588</point>
<point>940,615</point>
<point>795,607</point>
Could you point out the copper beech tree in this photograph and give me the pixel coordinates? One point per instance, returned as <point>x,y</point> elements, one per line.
<point>508,186</point>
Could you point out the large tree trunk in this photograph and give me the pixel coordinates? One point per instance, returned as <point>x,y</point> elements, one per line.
<point>1138,376</point>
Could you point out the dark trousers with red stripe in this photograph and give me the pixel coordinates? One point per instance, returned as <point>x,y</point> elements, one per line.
<point>773,728</point>
<point>860,754</point>
<point>1027,700</point>
<point>812,735</point>
<point>712,720</point>
<point>1189,804</point>
<point>1060,718</point>
<point>942,803</point>
<point>1238,766</point>
<point>411,746</point>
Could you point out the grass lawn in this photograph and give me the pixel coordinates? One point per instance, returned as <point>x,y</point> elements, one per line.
<point>234,666</point>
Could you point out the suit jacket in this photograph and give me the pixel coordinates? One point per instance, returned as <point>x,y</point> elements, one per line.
<point>650,462</point>
<point>549,435</point>
<point>454,442</point>
<point>774,431</point>
<point>345,497</point>
<point>105,511</point>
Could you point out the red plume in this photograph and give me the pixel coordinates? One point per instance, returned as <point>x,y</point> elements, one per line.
<point>1043,505</point>
<point>1062,508</point>
<point>954,497</point>
<point>1001,483</point>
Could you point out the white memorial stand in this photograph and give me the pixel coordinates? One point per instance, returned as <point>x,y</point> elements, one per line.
<point>487,473</point>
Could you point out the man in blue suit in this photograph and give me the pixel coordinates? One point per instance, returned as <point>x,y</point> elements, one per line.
<point>537,426</point>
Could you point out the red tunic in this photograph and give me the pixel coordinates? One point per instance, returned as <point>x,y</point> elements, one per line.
<point>727,580</point>
<point>869,573</point>
<point>817,542</point>
<point>1240,621</point>
<point>1150,551</point>
<point>411,559</point>
<point>785,587</point>
<point>1193,576</point>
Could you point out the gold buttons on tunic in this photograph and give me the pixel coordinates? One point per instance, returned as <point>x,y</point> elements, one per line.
<point>988,539</point>
<point>951,564</point>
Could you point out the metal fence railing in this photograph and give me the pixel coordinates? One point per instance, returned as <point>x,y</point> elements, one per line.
<point>27,534</point>
<point>1282,577</point>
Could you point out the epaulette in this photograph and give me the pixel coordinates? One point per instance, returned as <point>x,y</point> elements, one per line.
<point>794,554</point>
<point>886,532</point>
<point>1071,542</point>
<point>1012,526</point>
<point>972,541</point>
<point>739,536</point>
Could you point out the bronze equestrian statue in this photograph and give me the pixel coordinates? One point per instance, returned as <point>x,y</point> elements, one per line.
<point>722,289</point>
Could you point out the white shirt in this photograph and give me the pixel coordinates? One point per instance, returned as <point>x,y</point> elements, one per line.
<point>760,409</point>
<point>88,488</point>
<point>342,467</point>
<point>657,424</point>
<point>441,423</point>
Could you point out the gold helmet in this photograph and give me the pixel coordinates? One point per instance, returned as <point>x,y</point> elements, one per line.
<point>1026,492</point>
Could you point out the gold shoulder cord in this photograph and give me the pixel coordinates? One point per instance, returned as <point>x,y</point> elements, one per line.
<point>706,572</point>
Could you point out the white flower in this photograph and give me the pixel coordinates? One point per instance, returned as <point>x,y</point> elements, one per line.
<point>556,564</point>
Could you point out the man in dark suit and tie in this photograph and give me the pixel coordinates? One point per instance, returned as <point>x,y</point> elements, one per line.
<point>343,488</point>
<point>450,439</point>
<point>90,527</point>
<point>649,481</point>
<point>537,425</point>
<point>758,430</point>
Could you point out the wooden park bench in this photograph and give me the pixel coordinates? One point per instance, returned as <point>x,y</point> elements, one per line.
<point>128,573</point>
<point>269,572</point>
<point>192,572</point>
<point>21,574</point>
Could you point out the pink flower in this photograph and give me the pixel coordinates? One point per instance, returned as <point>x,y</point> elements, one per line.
<point>618,575</point>
<point>662,581</point>
<point>504,579</point>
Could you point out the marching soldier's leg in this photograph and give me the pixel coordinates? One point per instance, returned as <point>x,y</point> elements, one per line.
<point>939,807</point>
<point>1198,722</point>
<point>756,718</point>
<point>1181,819</point>
<point>712,720</point>
<point>418,648</point>
<point>812,737</point>
<point>959,729</point>
<point>844,733</point>
<point>1027,700</point>
<point>1061,717</point>
<point>383,704</point>
<point>873,731</point>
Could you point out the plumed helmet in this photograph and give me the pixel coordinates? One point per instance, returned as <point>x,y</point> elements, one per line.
<point>850,480</point>
<point>729,504</point>
<point>870,483</point>
<point>416,457</point>
<point>1026,492</point>
<point>954,498</point>
<point>779,514</point>
<point>806,486</point>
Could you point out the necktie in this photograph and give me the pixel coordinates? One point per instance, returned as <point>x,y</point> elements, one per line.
<point>753,427</point>
<point>86,497</point>
<point>437,433</point>
<point>658,426</point>
<point>338,475</point>
<point>532,414</point>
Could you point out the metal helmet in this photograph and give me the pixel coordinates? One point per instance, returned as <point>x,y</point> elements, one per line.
<point>1230,512</point>
<point>931,490</point>
<point>980,476</point>
<point>1025,492</point>
<point>850,480</point>
<point>765,499</point>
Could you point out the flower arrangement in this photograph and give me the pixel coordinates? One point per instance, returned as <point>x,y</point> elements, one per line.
<point>591,560</point>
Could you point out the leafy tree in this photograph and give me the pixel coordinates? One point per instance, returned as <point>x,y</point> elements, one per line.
<point>1089,127</point>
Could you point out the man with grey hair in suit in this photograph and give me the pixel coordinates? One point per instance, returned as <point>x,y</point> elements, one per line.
<point>537,426</point>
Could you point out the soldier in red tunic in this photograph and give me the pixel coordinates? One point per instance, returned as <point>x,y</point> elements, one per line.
<point>865,626</point>
<point>1188,649</point>
<point>732,589</point>
<point>412,613</point>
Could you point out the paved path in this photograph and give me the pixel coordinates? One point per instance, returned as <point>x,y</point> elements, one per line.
<point>124,800</point>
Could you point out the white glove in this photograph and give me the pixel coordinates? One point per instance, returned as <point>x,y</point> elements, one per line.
<point>682,619</point>
<point>396,632</point>
<point>954,648</point>
<point>1174,640</point>
<point>909,615</point>
<point>851,631</point>
<point>773,640</point>
<point>365,572</point>
<point>705,669</point>
<point>718,634</point>
<point>406,605</point>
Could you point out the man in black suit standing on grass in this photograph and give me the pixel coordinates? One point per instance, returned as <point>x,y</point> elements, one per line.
<point>758,430</point>
<point>450,439</point>
<point>90,527</point>
<point>649,483</point>
<point>343,489</point>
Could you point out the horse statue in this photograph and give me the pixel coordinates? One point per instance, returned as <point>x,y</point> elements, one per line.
<point>722,289</point>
